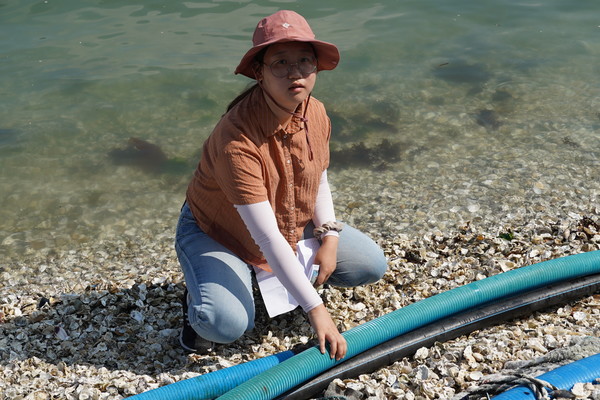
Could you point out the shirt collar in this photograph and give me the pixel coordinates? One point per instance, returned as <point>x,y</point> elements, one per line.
<point>294,126</point>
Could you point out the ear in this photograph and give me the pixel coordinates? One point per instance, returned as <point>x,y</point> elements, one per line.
<point>257,68</point>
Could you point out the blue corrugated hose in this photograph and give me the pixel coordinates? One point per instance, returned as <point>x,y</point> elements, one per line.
<point>298,369</point>
<point>248,381</point>
<point>213,384</point>
<point>585,370</point>
<point>481,317</point>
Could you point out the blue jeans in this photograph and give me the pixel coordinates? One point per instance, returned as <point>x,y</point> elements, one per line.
<point>221,306</point>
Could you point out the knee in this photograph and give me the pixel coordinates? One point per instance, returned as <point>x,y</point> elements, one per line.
<point>374,267</point>
<point>380,267</point>
<point>363,256</point>
<point>371,261</point>
<point>360,270</point>
<point>225,326</point>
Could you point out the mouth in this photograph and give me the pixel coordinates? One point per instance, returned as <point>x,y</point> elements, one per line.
<point>296,86</point>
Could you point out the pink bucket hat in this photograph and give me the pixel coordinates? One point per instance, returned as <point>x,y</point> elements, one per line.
<point>287,26</point>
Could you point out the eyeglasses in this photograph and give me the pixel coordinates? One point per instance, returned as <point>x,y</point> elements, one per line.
<point>281,68</point>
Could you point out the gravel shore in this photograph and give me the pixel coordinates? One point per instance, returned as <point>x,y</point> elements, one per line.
<point>100,321</point>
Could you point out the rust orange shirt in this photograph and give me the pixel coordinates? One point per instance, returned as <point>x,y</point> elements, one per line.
<point>249,158</point>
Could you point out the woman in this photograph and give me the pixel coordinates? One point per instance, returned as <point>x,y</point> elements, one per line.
<point>260,187</point>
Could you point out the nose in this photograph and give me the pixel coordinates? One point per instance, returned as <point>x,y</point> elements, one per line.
<point>294,70</point>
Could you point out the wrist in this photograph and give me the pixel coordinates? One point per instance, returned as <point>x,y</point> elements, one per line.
<point>318,310</point>
<point>330,241</point>
<point>331,226</point>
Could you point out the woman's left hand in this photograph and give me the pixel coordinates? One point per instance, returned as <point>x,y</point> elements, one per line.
<point>326,258</point>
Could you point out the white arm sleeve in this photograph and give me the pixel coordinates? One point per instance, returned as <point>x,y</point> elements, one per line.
<point>262,225</point>
<point>324,211</point>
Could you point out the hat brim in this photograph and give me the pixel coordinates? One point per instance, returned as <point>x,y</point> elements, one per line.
<point>327,54</point>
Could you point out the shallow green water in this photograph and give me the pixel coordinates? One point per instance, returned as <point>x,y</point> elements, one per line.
<point>449,82</point>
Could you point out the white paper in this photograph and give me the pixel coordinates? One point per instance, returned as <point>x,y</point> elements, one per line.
<point>275,296</point>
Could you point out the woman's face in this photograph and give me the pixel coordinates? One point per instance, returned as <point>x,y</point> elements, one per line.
<point>289,59</point>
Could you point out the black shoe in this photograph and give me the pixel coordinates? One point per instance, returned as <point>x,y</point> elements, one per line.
<point>188,338</point>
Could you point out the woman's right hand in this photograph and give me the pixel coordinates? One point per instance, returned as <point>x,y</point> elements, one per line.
<point>327,332</point>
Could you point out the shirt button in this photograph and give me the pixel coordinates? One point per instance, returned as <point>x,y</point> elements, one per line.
<point>289,161</point>
<point>285,136</point>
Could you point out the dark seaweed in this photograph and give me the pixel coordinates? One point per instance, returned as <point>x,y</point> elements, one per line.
<point>8,136</point>
<point>570,142</point>
<point>147,156</point>
<point>488,119</point>
<point>459,72</point>
<point>501,96</point>
<point>359,155</point>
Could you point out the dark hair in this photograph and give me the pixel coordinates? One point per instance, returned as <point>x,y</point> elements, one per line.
<point>241,96</point>
<point>258,60</point>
